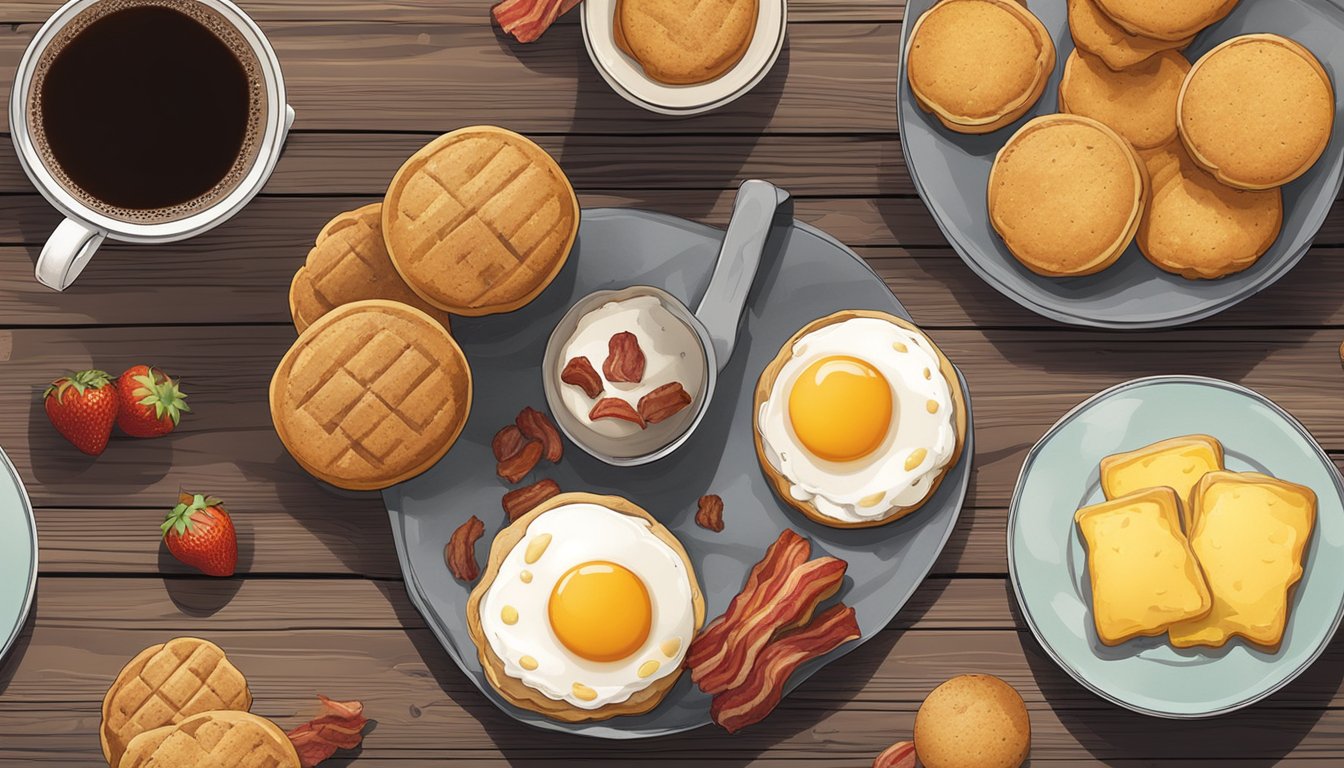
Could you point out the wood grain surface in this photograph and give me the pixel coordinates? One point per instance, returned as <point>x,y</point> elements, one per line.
<point>319,604</point>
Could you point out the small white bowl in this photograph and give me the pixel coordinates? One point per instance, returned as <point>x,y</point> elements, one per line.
<point>626,76</point>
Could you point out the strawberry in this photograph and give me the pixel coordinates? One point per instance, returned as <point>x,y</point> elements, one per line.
<point>151,403</point>
<point>83,407</point>
<point>199,532</point>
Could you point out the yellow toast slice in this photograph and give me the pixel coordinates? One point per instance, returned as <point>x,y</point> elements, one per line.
<point>1250,532</point>
<point>1177,463</point>
<point>1144,575</point>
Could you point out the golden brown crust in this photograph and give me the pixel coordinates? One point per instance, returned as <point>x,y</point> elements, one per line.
<point>480,221</point>
<point>349,263</point>
<point>373,393</point>
<point>973,721</point>
<point>766,384</point>
<point>1138,103</point>
<point>206,742</point>
<point>1160,20</point>
<point>655,34</point>
<point>1095,32</point>
<point>513,690</point>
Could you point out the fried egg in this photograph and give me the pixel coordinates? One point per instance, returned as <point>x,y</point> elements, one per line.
<point>860,420</point>
<point>589,607</point>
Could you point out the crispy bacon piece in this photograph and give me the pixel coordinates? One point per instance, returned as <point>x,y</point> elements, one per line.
<point>507,442</point>
<point>340,726</point>
<point>580,372</point>
<point>788,606</point>
<point>527,19</point>
<point>615,408</point>
<point>759,693</point>
<point>538,426</point>
<point>783,556</point>
<point>523,500</point>
<point>898,755</point>
<point>517,467</point>
<point>709,515</point>
<point>663,402</point>
<point>460,552</point>
<point>625,360</point>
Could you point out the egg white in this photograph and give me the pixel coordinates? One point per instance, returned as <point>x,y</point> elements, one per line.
<point>871,487</point>
<point>582,533</point>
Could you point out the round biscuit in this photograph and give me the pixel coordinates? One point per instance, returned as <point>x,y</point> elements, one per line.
<point>685,44</point>
<point>1095,32</point>
<point>1165,19</point>
<point>973,721</point>
<point>1138,103</point>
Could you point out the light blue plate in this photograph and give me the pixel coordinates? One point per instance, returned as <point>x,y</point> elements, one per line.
<point>18,555</point>
<point>1049,568</point>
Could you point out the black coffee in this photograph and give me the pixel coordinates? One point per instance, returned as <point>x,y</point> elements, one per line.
<point>148,109</point>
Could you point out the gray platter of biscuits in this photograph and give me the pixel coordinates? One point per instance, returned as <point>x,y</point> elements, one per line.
<point>1250,231</point>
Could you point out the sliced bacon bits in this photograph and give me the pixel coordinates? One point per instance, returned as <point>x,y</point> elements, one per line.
<point>460,554</point>
<point>762,688</point>
<point>625,360</point>
<point>537,426</point>
<point>523,500</point>
<point>663,402</point>
<point>898,755</point>
<point>340,726</point>
<point>507,443</point>
<point>580,372</point>
<point>519,465</point>
<point>615,408</point>
<point>709,513</point>
<point>527,19</point>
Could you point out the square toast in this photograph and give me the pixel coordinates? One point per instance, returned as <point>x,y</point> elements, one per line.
<point>1143,572</point>
<point>1177,463</point>
<point>1250,533</point>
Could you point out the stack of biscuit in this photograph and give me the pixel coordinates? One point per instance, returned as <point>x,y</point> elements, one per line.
<point>375,390</point>
<point>1208,145</point>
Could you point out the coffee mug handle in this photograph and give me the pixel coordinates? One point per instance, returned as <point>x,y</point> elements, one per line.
<point>66,253</point>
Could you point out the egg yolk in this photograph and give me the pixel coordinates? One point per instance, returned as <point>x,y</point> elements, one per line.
<point>840,408</point>
<point>600,611</point>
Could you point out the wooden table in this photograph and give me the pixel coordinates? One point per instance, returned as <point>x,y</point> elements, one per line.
<point>319,604</point>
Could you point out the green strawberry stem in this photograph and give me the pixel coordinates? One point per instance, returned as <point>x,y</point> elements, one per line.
<point>78,381</point>
<point>166,396</point>
<point>179,519</point>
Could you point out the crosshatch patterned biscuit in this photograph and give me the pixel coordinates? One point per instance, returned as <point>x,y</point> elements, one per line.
<point>685,43</point>
<point>213,740</point>
<point>349,263</point>
<point>373,393</point>
<point>163,685</point>
<point>480,221</point>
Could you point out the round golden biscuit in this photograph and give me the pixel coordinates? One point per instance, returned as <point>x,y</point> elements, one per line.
<point>978,65</point>
<point>765,385</point>
<point>1256,111</point>
<point>349,263</point>
<point>373,393</point>
<point>1199,228</point>
<point>213,739</point>
<point>519,694</point>
<point>1093,31</point>
<point>685,43</point>
<point>1166,19</point>
<point>973,721</point>
<point>163,685</point>
<point>479,221</point>
<point>1139,103</point>
<point>1066,194</point>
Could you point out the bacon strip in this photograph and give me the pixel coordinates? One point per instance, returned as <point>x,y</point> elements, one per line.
<point>789,605</point>
<point>340,726</point>
<point>787,553</point>
<point>527,19</point>
<point>761,692</point>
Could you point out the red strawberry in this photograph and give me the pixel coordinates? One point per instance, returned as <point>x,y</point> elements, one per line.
<point>83,407</point>
<point>151,403</point>
<point>199,532</point>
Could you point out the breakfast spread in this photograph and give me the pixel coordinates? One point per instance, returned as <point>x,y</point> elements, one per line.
<point>858,419</point>
<point>349,263</point>
<point>479,221</point>
<point>973,721</point>
<point>199,532</point>
<point>684,44</point>
<point>1257,111</point>
<point>213,738</point>
<point>1096,33</point>
<point>373,393</point>
<point>1067,163</point>
<point>1188,549</point>
<point>1139,102</point>
<point>1161,20</point>
<point>164,685</point>
<point>978,65</point>
<point>142,402</point>
<point>585,610</point>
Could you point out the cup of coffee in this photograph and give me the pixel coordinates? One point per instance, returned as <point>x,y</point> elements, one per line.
<point>145,121</point>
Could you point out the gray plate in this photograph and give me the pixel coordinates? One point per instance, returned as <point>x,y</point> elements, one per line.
<point>18,555</point>
<point>805,274</point>
<point>951,172</point>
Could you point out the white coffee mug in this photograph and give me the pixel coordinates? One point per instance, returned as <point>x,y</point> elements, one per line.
<point>75,240</point>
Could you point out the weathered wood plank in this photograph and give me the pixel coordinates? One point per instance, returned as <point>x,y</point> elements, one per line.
<point>831,78</point>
